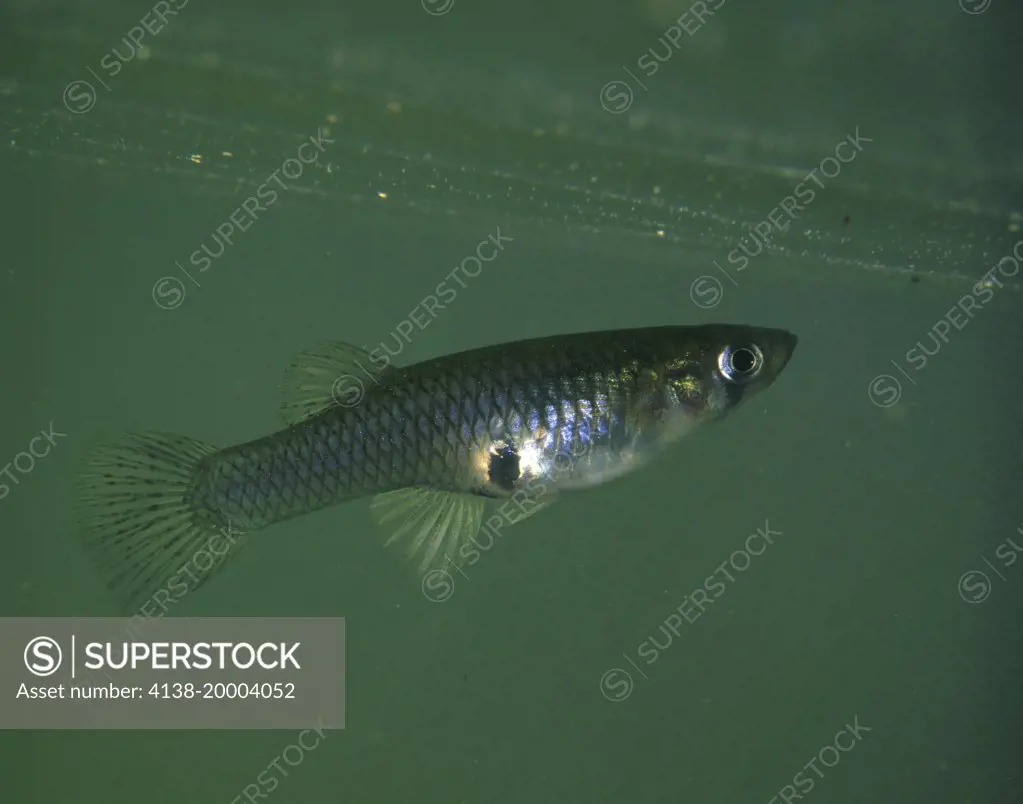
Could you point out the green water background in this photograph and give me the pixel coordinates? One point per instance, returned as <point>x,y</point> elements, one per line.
<point>490,116</point>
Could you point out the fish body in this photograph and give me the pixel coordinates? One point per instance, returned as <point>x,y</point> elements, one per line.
<point>431,442</point>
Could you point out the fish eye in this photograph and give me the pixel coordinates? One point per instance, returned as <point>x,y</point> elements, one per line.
<point>740,363</point>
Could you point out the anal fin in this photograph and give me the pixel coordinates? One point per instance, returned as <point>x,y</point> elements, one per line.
<point>434,525</point>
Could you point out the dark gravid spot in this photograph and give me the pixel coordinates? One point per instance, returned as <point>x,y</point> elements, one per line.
<point>846,220</point>
<point>504,466</point>
<point>915,280</point>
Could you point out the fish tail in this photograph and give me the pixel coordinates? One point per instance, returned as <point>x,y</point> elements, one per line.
<point>139,520</point>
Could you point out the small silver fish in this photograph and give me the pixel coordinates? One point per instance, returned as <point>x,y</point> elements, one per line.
<point>432,442</point>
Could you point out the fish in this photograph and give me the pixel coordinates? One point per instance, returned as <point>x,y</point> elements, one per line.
<point>436,444</point>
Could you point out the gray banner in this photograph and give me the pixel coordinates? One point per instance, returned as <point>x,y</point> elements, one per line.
<point>175,673</point>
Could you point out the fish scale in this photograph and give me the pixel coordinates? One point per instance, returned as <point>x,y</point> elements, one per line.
<point>277,477</point>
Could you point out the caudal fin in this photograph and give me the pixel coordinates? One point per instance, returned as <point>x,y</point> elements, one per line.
<point>139,524</point>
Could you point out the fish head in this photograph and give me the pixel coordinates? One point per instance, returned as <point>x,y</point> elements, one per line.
<point>709,371</point>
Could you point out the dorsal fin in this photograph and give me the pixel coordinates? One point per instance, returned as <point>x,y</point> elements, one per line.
<point>328,375</point>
